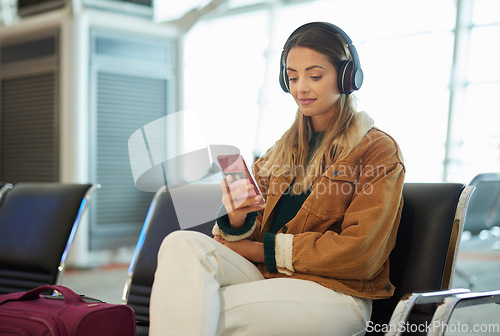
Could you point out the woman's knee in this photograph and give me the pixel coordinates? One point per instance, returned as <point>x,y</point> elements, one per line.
<point>180,239</point>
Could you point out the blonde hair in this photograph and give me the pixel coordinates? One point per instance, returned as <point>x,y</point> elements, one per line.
<point>291,154</point>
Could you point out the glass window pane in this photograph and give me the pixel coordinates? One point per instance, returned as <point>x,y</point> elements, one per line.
<point>224,64</point>
<point>484,54</point>
<point>406,64</point>
<point>368,19</point>
<point>406,92</point>
<point>480,149</point>
<point>486,11</point>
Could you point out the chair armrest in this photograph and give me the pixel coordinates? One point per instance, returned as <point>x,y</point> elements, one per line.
<point>408,302</point>
<point>444,311</point>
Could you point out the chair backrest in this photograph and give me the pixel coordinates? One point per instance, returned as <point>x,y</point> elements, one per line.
<point>37,224</point>
<point>484,207</point>
<point>162,219</point>
<point>427,242</point>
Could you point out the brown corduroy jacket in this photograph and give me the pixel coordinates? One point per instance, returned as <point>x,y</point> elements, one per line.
<point>345,230</point>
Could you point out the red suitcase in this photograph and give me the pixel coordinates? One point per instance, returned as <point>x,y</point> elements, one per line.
<point>31,314</point>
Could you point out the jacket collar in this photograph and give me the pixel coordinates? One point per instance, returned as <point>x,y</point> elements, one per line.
<point>361,124</point>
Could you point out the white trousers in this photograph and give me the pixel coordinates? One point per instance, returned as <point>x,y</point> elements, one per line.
<point>201,287</point>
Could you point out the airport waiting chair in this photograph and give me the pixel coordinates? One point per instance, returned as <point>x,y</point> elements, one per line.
<point>37,224</point>
<point>162,219</point>
<point>484,206</point>
<point>423,259</point>
<point>483,212</point>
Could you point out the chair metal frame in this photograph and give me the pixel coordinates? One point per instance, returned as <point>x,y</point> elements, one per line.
<point>83,207</point>
<point>445,310</point>
<point>405,306</point>
<point>5,188</point>
<point>457,233</point>
<point>140,243</point>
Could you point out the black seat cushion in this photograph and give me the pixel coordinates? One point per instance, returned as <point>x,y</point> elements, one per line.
<point>163,220</point>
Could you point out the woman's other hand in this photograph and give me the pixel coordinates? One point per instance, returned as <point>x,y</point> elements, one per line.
<point>251,250</point>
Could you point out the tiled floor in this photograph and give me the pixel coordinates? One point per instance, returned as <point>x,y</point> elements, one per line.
<point>105,283</point>
<point>477,257</point>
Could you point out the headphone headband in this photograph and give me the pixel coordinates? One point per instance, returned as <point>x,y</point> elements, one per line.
<point>350,76</point>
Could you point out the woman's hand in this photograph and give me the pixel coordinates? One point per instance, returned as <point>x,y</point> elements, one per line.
<point>251,250</point>
<point>236,200</point>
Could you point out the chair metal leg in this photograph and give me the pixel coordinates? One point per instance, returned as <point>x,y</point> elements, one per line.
<point>408,302</point>
<point>444,311</point>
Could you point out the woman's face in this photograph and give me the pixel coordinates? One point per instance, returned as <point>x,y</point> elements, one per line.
<point>313,85</point>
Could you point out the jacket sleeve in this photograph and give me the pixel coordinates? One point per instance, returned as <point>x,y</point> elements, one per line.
<point>367,232</point>
<point>223,228</point>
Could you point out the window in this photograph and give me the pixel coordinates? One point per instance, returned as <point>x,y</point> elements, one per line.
<point>407,73</point>
<point>224,70</point>
<point>477,147</point>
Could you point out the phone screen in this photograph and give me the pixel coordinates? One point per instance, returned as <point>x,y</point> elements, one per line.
<point>235,166</point>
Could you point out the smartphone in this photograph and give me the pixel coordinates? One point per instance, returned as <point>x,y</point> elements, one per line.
<point>235,165</point>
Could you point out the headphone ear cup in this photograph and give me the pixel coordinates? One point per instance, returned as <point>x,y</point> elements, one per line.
<point>344,75</point>
<point>284,79</point>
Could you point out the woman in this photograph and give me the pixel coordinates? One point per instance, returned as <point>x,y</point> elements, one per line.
<point>311,260</point>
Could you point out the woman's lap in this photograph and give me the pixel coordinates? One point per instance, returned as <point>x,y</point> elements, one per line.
<point>249,304</point>
<point>285,306</point>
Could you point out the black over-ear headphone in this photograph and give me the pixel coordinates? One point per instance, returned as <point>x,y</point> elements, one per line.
<point>350,76</point>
